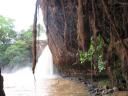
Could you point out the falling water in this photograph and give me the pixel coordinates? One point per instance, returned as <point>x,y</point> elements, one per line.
<point>43,72</point>
<point>22,83</point>
<point>44,66</point>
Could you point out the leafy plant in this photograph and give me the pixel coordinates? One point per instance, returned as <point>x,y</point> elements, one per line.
<point>90,53</point>
<point>87,55</point>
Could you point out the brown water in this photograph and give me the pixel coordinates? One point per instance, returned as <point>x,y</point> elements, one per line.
<point>61,87</point>
<point>21,83</point>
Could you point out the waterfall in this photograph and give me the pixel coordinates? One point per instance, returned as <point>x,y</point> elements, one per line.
<point>44,66</point>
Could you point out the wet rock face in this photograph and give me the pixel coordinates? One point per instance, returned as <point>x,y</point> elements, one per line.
<point>60,17</point>
<point>1,85</point>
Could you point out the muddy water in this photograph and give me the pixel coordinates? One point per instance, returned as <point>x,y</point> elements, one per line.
<point>61,87</point>
<point>21,83</point>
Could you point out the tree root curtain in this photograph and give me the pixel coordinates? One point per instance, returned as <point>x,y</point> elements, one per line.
<point>70,24</point>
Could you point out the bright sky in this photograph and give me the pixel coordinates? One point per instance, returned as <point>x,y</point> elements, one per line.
<point>20,10</point>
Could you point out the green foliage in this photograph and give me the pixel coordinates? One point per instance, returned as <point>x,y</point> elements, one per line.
<point>101,64</point>
<point>20,51</point>
<point>15,48</point>
<point>6,30</point>
<point>99,49</point>
<point>17,52</point>
<point>26,36</point>
<point>3,57</point>
<point>90,53</point>
<point>87,55</point>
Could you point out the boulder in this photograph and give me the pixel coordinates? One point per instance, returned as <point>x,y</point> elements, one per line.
<point>2,93</point>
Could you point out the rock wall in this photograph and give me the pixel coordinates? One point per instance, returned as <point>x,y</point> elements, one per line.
<point>65,29</point>
<point>1,85</point>
<point>70,24</point>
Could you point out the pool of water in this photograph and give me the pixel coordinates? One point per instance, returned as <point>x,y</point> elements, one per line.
<point>22,83</point>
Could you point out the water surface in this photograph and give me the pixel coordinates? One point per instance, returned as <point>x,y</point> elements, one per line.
<point>21,83</point>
